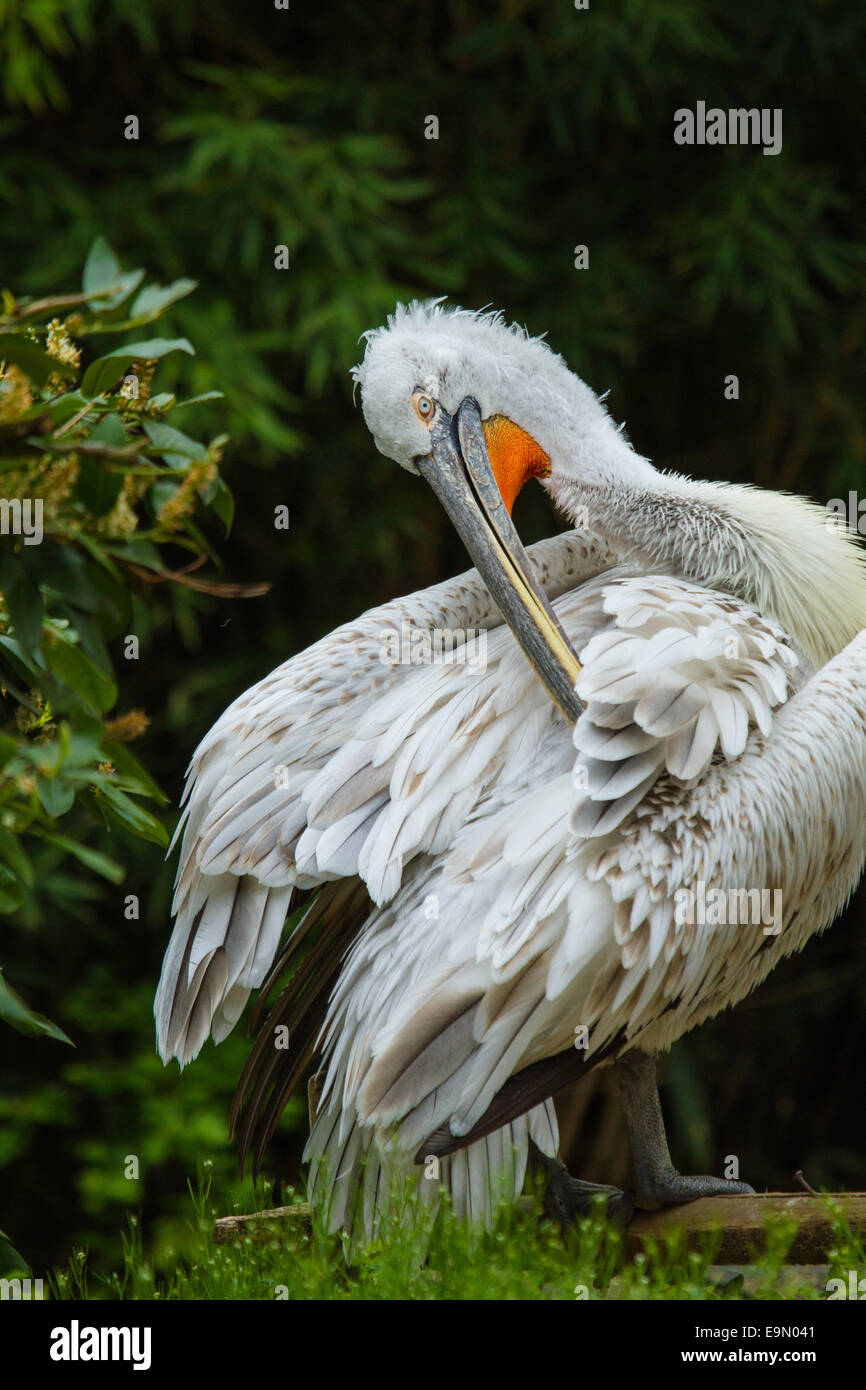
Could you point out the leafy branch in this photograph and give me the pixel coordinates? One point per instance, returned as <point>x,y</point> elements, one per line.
<point>96,481</point>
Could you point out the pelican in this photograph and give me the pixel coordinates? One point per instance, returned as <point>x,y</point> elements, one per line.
<point>555,858</point>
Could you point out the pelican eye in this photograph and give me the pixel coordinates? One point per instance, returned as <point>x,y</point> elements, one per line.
<point>425,409</point>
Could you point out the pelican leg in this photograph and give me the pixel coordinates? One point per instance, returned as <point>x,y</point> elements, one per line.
<point>567,1198</point>
<point>655,1181</point>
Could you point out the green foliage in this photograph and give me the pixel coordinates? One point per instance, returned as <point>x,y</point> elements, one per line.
<point>94,485</point>
<point>523,1257</point>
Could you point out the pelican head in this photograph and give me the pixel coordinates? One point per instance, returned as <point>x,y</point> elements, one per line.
<point>478,408</point>
<point>539,420</point>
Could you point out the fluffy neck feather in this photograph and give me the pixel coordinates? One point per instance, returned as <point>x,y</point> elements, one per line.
<point>773,550</point>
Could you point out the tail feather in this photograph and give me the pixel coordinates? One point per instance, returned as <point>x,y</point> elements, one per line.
<point>225,936</point>
<point>360,1186</point>
<point>272,1073</point>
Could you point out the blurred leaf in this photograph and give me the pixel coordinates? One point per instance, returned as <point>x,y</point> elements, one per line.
<point>23,602</point>
<point>102,272</point>
<point>173,443</point>
<point>96,487</point>
<point>23,1019</point>
<point>101,269</point>
<point>219,497</point>
<point>56,797</point>
<point>10,1260</point>
<point>70,665</point>
<point>12,854</point>
<point>118,807</point>
<point>91,858</point>
<point>153,299</point>
<point>102,374</point>
<point>31,358</point>
<point>135,777</point>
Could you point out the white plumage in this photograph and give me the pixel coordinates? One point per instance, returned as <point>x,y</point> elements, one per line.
<point>521,877</point>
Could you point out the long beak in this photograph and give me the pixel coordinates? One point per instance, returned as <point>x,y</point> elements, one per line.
<point>459,472</point>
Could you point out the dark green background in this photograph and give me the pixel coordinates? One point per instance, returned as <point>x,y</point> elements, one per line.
<point>306,128</point>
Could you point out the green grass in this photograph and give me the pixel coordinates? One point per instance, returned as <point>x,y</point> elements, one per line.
<point>523,1257</point>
